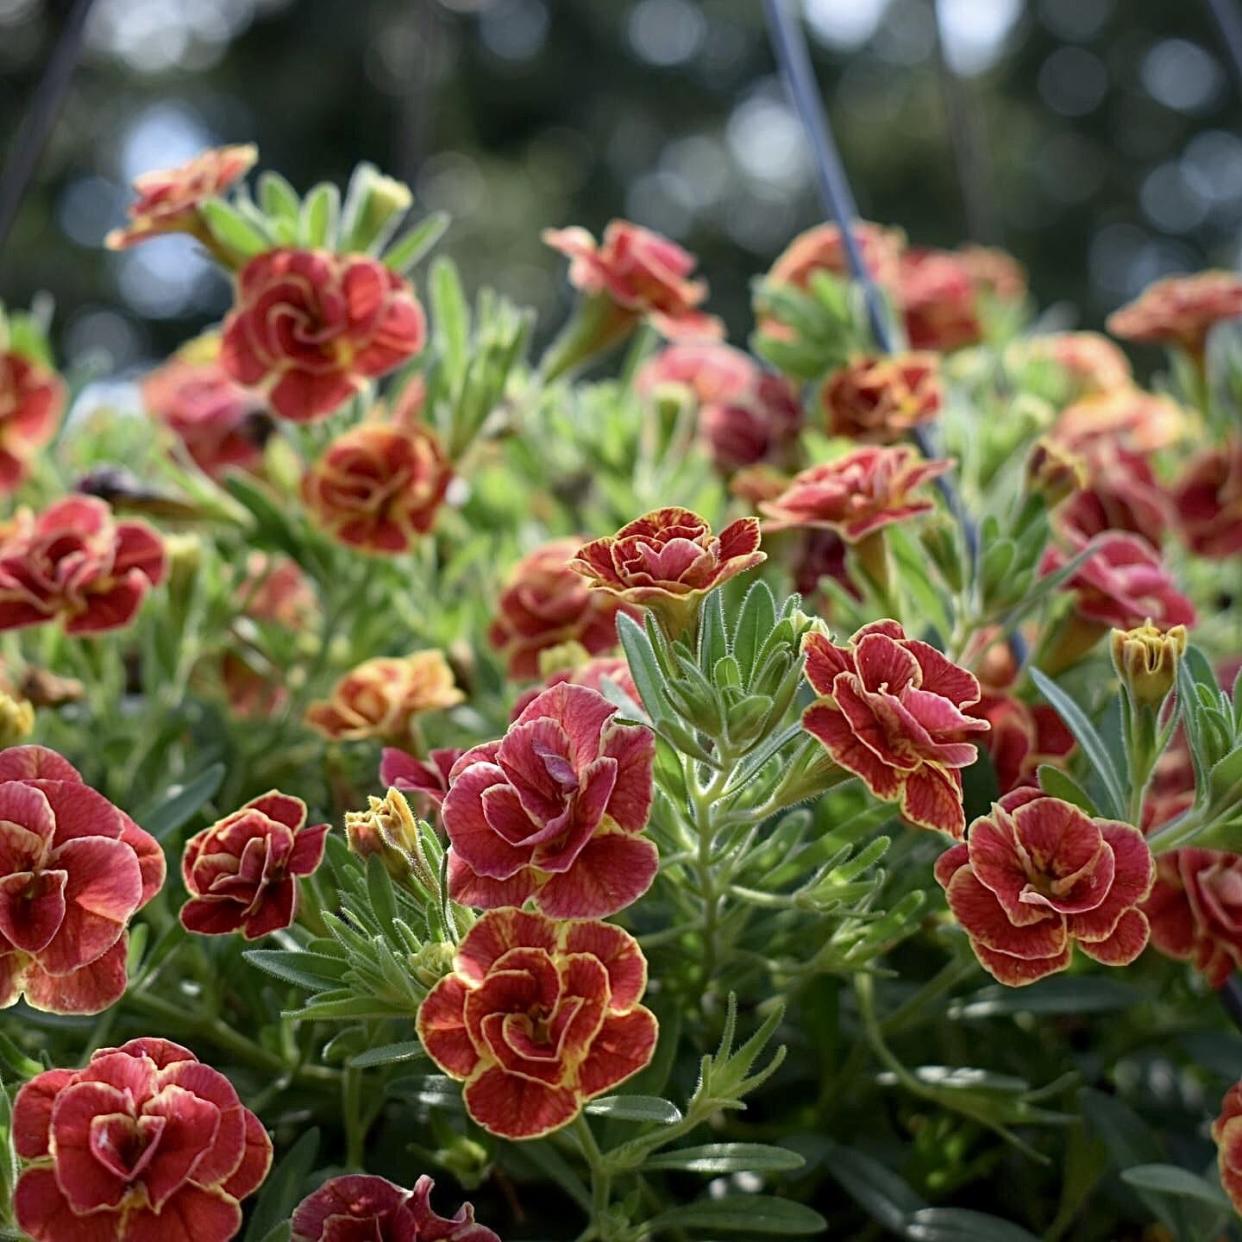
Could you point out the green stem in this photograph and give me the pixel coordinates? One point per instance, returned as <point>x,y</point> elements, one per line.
<point>601,1177</point>
<point>355,1126</point>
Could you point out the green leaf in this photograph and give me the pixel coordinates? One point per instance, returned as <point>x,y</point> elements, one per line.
<point>313,971</point>
<point>1171,1179</point>
<point>1059,784</point>
<point>1065,994</point>
<point>757,1215</point>
<point>1090,741</point>
<point>283,1188</point>
<point>649,1108</point>
<point>754,624</point>
<point>388,1054</point>
<point>937,1224</point>
<point>644,667</point>
<point>715,1158</point>
<point>277,197</point>
<point>452,320</point>
<point>320,213</point>
<point>183,803</point>
<point>406,252</point>
<point>229,227</point>
<point>380,892</point>
<point>713,638</point>
<point>874,1187</point>
<point>280,1234</point>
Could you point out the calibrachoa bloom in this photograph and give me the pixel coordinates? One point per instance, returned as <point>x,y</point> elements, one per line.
<point>668,559</point>
<point>760,426</point>
<point>75,563</point>
<point>361,1208</point>
<point>381,697</point>
<point>242,872</point>
<point>1121,584</point>
<point>32,399</point>
<point>1208,498</point>
<point>309,328</point>
<point>378,486</point>
<point>277,591</point>
<point>1090,363</point>
<point>427,779</point>
<point>1180,310</point>
<point>1037,875</point>
<point>1022,737</point>
<point>1125,418</point>
<point>709,370</point>
<point>73,870</point>
<point>938,300</point>
<point>993,272</point>
<point>821,249</point>
<point>169,199</point>
<point>1122,494</point>
<point>554,811</point>
<point>1227,1134</point>
<point>857,494</point>
<point>544,604</point>
<point>1195,911</point>
<point>144,1143</point>
<point>894,711</point>
<point>537,1018</point>
<point>640,273</point>
<point>878,400</point>
<point>220,424</point>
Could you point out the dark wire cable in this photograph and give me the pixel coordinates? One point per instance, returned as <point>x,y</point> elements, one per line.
<point>45,105</point>
<point>1229,22</point>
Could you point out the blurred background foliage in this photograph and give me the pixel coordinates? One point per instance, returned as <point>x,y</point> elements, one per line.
<point>1100,136</point>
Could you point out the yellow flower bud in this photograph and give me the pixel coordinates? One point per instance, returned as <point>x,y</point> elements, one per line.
<point>387,828</point>
<point>563,658</point>
<point>17,719</point>
<point>1146,660</point>
<point>1053,472</point>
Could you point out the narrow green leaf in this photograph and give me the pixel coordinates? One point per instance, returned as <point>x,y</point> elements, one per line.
<point>1060,784</point>
<point>757,1215</point>
<point>644,668</point>
<point>320,213</point>
<point>715,1158</point>
<point>754,624</point>
<point>406,252</point>
<point>229,227</point>
<point>635,1108</point>
<point>388,1054</point>
<point>1087,737</point>
<point>937,1224</point>
<point>312,971</point>
<point>277,197</point>
<point>1171,1179</point>
<point>283,1188</point>
<point>179,807</point>
<point>874,1187</point>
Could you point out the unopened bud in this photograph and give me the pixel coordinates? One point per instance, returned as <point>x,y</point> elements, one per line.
<point>17,719</point>
<point>1054,473</point>
<point>388,830</point>
<point>563,658</point>
<point>1146,660</point>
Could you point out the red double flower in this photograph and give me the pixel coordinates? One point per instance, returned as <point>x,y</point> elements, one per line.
<point>1038,875</point>
<point>879,400</point>
<point>544,604</point>
<point>242,872</point>
<point>310,328</point>
<point>641,273</point>
<point>379,486</point>
<point>32,400</point>
<point>75,563</point>
<point>1227,1135</point>
<point>361,1208</point>
<point>554,811</point>
<point>857,494</point>
<point>1180,310</point>
<point>668,559</point>
<point>822,249</point>
<point>74,869</point>
<point>169,199</point>
<point>1023,736</point>
<point>1195,910</point>
<point>938,299</point>
<point>537,1018</point>
<point>1208,499</point>
<point>145,1143</point>
<point>894,711</point>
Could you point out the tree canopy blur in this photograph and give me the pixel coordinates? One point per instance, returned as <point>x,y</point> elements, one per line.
<point>1100,138</point>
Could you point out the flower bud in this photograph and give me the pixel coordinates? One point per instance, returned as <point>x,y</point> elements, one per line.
<point>16,719</point>
<point>1146,660</point>
<point>432,962</point>
<point>387,829</point>
<point>1053,472</point>
<point>373,200</point>
<point>563,658</point>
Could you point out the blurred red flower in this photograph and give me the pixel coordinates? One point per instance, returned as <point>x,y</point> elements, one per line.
<point>1195,911</point>
<point>220,424</point>
<point>878,400</point>
<point>857,494</point>
<point>241,873</point>
<point>32,400</point>
<point>544,604</point>
<point>668,559</point>
<point>1121,494</point>
<point>538,1017</point>
<point>73,871</point>
<point>1180,310</point>
<point>381,697</point>
<point>75,563</point>
<point>1124,418</point>
<point>554,811</point>
<point>169,199</point>
<point>821,249</point>
<point>378,486</point>
<point>1090,363</point>
<point>894,711</point>
<point>938,300</point>
<point>427,779</point>
<point>1208,497</point>
<point>144,1143</point>
<point>1022,737</point>
<point>1037,875</point>
<point>1227,1134</point>
<point>640,273</point>
<point>361,1208</point>
<point>1121,584</point>
<point>309,328</point>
